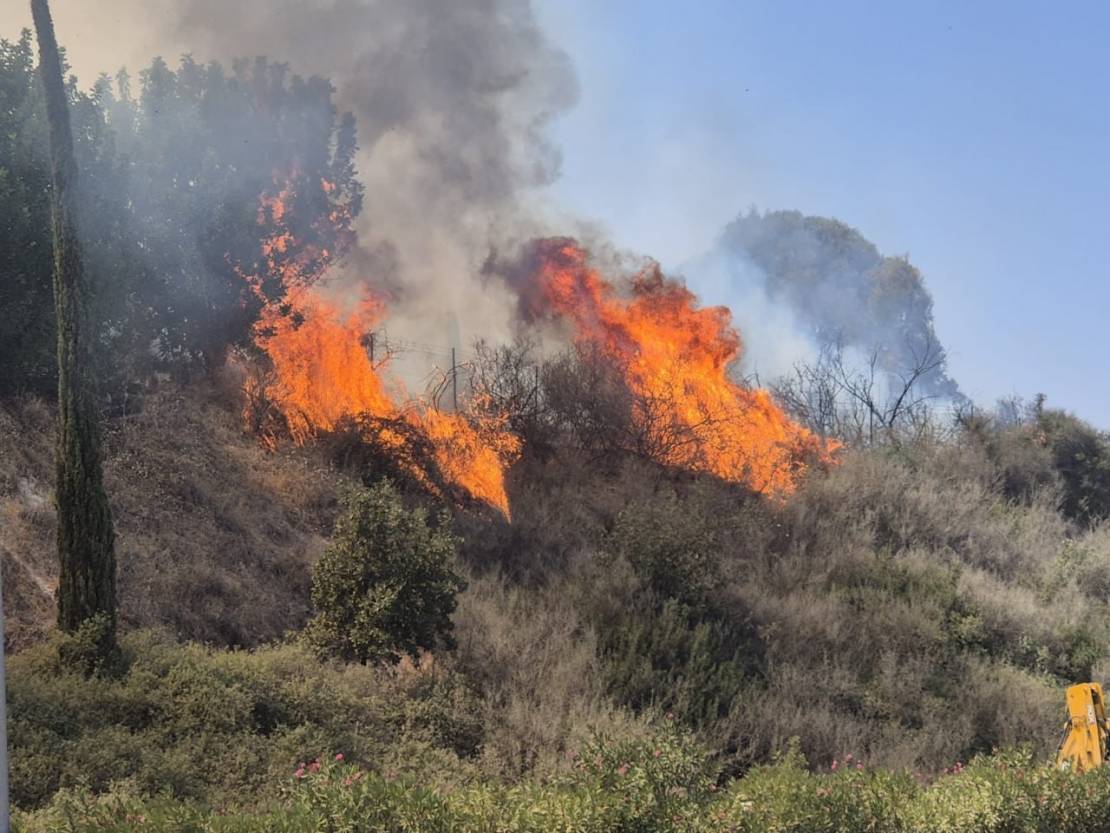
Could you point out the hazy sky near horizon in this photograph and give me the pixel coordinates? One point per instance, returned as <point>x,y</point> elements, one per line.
<point>972,136</point>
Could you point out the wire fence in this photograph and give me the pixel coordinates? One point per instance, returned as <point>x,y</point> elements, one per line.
<point>440,372</point>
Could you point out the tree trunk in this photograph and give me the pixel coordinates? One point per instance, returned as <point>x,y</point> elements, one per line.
<point>86,541</point>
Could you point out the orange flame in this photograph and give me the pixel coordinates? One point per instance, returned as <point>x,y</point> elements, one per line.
<point>674,359</point>
<point>323,373</point>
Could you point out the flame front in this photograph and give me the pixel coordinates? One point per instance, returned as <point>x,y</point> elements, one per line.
<point>323,375</point>
<point>674,359</point>
<point>672,356</point>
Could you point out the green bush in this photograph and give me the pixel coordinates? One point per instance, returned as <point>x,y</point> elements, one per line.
<point>226,726</point>
<point>386,585</point>
<point>666,640</point>
<point>670,659</point>
<point>660,786</point>
<point>1081,456</point>
<point>671,546</point>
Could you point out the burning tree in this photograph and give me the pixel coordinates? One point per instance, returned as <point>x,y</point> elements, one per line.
<point>86,540</point>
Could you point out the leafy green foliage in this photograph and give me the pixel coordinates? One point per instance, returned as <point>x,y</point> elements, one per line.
<point>27,335</point>
<point>656,787</point>
<point>670,546</point>
<point>665,640</point>
<point>224,726</point>
<point>386,585</point>
<point>1081,456</point>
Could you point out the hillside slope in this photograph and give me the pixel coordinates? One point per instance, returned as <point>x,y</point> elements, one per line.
<point>215,536</point>
<point>913,605</point>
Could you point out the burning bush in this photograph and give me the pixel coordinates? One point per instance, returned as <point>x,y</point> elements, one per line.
<point>658,367</point>
<point>317,376</point>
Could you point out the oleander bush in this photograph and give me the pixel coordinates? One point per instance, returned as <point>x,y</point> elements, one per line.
<point>665,785</point>
<point>223,727</point>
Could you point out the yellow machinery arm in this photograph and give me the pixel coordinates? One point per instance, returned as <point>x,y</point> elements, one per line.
<point>1085,735</point>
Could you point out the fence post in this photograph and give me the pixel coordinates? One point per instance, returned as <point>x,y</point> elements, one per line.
<point>454,382</point>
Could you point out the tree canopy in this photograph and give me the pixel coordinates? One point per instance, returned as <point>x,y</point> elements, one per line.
<point>172,175</point>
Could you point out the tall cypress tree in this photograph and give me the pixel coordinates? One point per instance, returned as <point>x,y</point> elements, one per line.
<point>86,540</point>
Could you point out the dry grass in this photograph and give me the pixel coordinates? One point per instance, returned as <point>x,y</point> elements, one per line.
<point>906,606</point>
<point>215,536</point>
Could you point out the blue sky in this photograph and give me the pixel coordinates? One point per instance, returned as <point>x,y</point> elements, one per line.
<point>972,136</point>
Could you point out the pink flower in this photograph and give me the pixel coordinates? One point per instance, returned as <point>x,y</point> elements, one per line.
<point>848,758</point>
<point>339,756</point>
<point>657,753</point>
<point>859,766</point>
<point>314,766</point>
<point>622,769</point>
<point>299,773</point>
<point>835,764</point>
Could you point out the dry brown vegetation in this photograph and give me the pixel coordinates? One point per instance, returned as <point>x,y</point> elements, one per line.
<point>913,605</point>
<point>216,535</point>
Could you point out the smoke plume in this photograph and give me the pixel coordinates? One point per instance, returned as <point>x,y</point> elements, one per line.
<point>452,98</point>
<point>799,285</point>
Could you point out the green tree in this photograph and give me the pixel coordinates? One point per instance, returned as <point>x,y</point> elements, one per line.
<point>28,343</point>
<point>86,540</point>
<point>1081,457</point>
<point>386,585</point>
<point>171,181</point>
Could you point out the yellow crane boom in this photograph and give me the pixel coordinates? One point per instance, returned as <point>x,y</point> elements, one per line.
<point>1085,734</point>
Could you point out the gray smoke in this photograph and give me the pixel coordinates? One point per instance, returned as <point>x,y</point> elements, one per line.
<point>774,339</point>
<point>452,99</point>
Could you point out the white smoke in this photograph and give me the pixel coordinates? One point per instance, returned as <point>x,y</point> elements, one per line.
<point>774,340</point>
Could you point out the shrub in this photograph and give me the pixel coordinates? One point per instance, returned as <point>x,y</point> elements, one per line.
<point>665,638</point>
<point>667,658</point>
<point>671,547</point>
<point>660,785</point>
<point>227,726</point>
<point>1081,455</point>
<point>386,585</point>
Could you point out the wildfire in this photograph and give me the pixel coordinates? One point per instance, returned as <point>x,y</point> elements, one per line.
<point>322,371</point>
<point>323,375</point>
<point>674,358</point>
<point>671,355</point>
